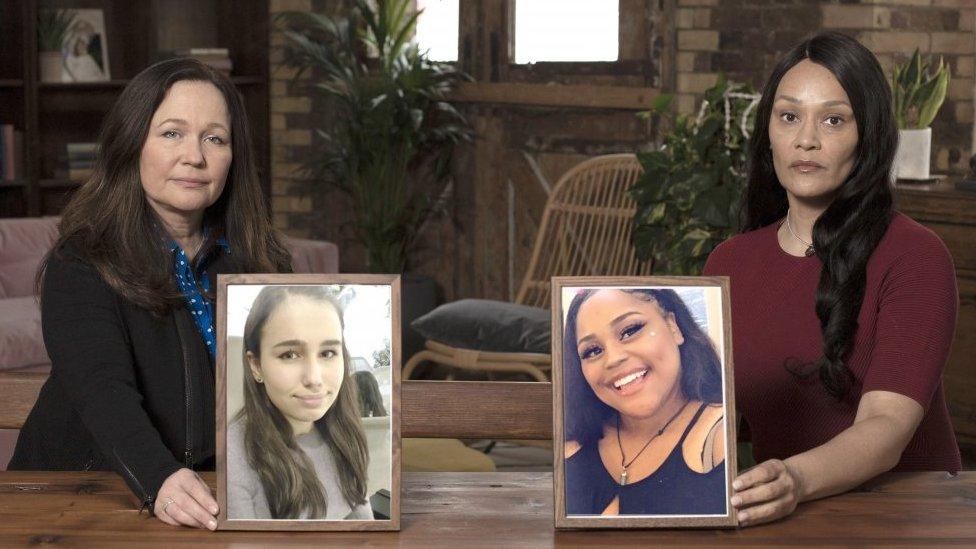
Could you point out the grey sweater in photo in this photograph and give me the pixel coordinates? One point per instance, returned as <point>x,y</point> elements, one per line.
<point>245,494</point>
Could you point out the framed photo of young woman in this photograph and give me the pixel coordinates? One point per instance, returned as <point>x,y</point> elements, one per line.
<point>643,402</point>
<point>308,385</point>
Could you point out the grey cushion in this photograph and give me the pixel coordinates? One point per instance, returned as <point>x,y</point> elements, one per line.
<point>487,325</point>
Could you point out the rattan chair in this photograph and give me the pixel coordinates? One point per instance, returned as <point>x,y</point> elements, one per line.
<point>585,231</point>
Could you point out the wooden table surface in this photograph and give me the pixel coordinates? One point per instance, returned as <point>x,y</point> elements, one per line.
<point>489,510</point>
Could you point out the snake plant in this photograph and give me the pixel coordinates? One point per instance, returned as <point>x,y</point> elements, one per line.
<point>918,93</point>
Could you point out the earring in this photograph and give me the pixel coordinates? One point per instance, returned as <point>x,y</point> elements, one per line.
<point>259,379</point>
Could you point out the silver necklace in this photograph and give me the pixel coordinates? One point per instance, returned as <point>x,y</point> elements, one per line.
<point>624,464</point>
<point>809,251</point>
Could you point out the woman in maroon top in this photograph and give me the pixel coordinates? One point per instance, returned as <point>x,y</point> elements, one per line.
<point>842,309</point>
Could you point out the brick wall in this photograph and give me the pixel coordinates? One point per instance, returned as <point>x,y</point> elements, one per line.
<point>294,196</point>
<point>742,38</point>
<point>745,38</point>
<point>303,206</point>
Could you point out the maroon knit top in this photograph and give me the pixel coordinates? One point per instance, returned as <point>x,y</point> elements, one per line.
<point>905,328</point>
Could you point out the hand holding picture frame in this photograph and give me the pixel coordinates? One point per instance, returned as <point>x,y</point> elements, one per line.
<point>643,402</point>
<point>308,402</point>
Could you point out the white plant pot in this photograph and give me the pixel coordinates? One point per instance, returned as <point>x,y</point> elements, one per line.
<point>913,154</point>
<point>50,62</point>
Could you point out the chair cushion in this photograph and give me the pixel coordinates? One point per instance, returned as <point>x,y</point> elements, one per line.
<point>443,454</point>
<point>486,325</point>
<point>21,342</point>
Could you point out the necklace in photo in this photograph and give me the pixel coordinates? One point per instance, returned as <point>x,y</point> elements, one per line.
<point>624,464</point>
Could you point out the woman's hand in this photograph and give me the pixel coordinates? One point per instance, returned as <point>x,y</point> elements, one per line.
<point>185,499</point>
<point>767,492</point>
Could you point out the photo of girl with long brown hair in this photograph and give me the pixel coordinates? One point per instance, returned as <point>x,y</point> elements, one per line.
<point>297,449</point>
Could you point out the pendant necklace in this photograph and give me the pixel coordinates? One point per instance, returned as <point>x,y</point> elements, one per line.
<point>623,460</point>
<point>809,251</point>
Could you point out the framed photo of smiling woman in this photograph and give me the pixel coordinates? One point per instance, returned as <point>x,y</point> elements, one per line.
<point>308,402</point>
<point>643,405</point>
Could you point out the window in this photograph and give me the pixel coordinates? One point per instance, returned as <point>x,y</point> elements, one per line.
<point>567,30</point>
<point>437,29</point>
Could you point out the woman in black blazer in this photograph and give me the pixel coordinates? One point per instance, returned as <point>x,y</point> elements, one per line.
<point>128,290</point>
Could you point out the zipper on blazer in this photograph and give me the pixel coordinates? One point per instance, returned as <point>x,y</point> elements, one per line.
<point>188,452</point>
<point>147,500</point>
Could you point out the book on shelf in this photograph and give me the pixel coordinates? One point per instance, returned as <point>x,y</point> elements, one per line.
<point>81,160</point>
<point>222,52</point>
<point>216,58</point>
<point>11,153</point>
<point>79,175</point>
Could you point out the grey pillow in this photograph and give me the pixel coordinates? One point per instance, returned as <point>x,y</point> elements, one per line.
<point>487,325</point>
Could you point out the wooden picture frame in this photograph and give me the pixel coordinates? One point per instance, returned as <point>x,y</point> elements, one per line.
<point>365,325</point>
<point>642,504</point>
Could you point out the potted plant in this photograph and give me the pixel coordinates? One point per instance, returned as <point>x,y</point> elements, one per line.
<point>688,197</point>
<point>52,25</point>
<point>389,145</point>
<point>917,96</point>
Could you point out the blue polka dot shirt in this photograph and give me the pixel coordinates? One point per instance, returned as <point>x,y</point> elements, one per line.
<point>201,308</point>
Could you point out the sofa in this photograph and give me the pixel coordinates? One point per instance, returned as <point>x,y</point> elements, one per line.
<point>23,244</point>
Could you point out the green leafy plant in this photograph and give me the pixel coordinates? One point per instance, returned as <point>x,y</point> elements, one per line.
<point>52,25</point>
<point>689,194</point>
<point>918,93</point>
<point>388,144</point>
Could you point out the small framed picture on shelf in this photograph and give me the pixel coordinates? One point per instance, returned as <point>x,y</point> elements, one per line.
<point>84,50</point>
<point>308,379</point>
<point>643,403</point>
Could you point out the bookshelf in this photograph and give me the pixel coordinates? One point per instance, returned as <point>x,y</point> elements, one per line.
<point>51,115</point>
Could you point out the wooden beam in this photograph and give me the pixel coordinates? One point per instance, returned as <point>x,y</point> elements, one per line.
<point>556,95</point>
<point>476,409</point>
<point>430,409</point>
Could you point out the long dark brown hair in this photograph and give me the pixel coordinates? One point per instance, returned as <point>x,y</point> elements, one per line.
<point>849,230</point>
<point>287,474</point>
<point>370,397</point>
<point>700,377</point>
<point>116,231</point>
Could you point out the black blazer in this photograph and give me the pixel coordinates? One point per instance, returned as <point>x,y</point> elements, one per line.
<point>129,391</point>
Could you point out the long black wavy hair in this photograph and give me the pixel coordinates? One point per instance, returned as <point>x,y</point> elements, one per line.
<point>700,378</point>
<point>847,233</point>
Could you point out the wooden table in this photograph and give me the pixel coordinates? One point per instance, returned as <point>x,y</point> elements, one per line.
<point>489,510</point>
